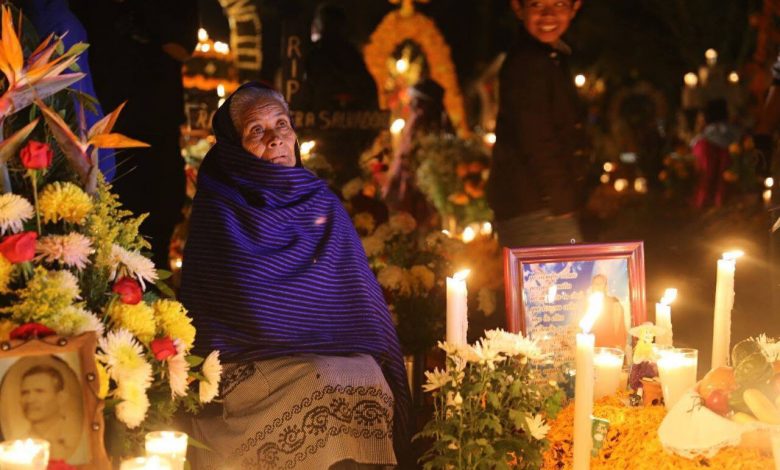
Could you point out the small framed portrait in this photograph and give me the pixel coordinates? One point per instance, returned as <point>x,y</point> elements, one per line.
<point>547,291</point>
<point>49,390</point>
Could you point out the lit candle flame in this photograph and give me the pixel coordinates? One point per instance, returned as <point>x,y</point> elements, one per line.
<point>769,182</point>
<point>734,77</point>
<point>221,90</point>
<point>307,147</point>
<point>669,296</point>
<point>447,232</point>
<point>402,65</point>
<point>461,275</point>
<point>733,255</point>
<point>487,228</point>
<point>202,35</point>
<point>579,80</point>
<point>490,138</point>
<point>468,235</point>
<point>595,305</point>
<point>711,55</point>
<point>691,79</point>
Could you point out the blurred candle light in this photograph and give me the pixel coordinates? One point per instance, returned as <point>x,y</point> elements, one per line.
<point>307,147</point>
<point>621,184</point>
<point>734,77</point>
<point>202,35</point>
<point>579,80</point>
<point>604,178</point>
<point>26,454</point>
<point>486,229</point>
<point>468,235</point>
<point>489,138</point>
<point>402,65</point>
<point>640,185</point>
<point>221,90</point>
<point>711,55</point>
<point>609,166</point>
<point>168,445</point>
<point>769,182</point>
<point>690,79</point>
<point>205,47</point>
<point>397,126</point>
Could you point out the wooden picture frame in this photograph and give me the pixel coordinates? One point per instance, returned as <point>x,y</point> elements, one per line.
<point>34,369</point>
<point>546,289</point>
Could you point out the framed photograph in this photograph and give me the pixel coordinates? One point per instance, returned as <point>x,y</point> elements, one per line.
<point>547,290</point>
<point>49,390</point>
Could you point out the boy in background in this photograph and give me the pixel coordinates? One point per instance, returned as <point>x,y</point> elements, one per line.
<point>538,160</point>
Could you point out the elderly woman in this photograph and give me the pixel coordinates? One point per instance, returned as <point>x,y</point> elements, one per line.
<point>276,279</point>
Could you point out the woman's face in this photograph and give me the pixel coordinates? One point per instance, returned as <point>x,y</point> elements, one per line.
<point>268,133</point>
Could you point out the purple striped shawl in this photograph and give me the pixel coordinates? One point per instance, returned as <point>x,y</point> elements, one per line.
<point>274,267</point>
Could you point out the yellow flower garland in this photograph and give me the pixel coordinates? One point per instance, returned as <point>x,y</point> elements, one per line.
<point>396,28</point>
<point>632,442</point>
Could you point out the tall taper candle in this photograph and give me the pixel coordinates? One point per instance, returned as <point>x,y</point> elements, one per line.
<point>583,384</point>
<point>724,302</point>
<point>663,318</point>
<point>457,308</point>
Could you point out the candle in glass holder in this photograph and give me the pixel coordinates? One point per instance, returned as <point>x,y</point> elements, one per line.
<point>25,454</point>
<point>608,367</point>
<point>457,308</point>
<point>146,463</point>
<point>677,372</point>
<point>583,384</point>
<point>170,445</point>
<point>724,302</point>
<point>663,317</point>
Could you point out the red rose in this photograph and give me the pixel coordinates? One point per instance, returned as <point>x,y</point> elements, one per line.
<point>36,155</point>
<point>20,247</point>
<point>59,465</point>
<point>163,348</point>
<point>31,330</point>
<point>128,289</point>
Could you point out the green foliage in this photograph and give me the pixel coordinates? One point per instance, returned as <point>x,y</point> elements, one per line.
<point>489,405</point>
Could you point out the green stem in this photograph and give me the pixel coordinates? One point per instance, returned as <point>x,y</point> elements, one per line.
<point>34,178</point>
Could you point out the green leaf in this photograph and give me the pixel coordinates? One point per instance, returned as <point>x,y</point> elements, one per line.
<point>163,274</point>
<point>10,145</point>
<point>197,444</point>
<point>194,361</point>
<point>165,289</point>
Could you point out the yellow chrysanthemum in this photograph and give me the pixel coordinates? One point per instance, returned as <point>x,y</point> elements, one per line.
<point>138,319</point>
<point>174,322</point>
<point>6,270</point>
<point>64,201</point>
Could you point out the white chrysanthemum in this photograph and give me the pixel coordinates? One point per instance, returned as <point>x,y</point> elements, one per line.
<point>537,427</point>
<point>487,354</point>
<point>212,371</point>
<point>14,212</point>
<point>178,371</point>
<point>72,249</point>
<point>74,320</point>
<point>512,344</point>
<point>133,405</point>
<point>436,379</point>
<point>769,346</point>
<point>395,278</point>
<point>454,400</point>
<point>132,264</point>
<point>124,358</point>
<point>402,222</point>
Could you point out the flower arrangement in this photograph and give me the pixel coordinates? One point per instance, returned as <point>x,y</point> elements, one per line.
<point>71,258</point>
<point>411,268</point>
<point>632,442</point>
<point>490,406</point>
<point>452,173</point>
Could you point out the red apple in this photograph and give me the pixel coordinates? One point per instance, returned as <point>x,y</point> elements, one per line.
<point>718,401</point>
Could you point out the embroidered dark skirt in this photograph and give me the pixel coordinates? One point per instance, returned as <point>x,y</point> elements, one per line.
<point>299,412</point>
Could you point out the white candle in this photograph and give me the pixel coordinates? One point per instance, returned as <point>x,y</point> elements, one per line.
<point>146,463</point>
<point>608,366</point>
<point>677,371</point>
<point>724,302</point>
<point>457,308</point>
<point>663,317</point>
<point>583,384</point>
<point>170,445</point>
<point>27,454</point>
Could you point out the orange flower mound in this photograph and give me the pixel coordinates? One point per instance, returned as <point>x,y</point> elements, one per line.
<point>632,442</point>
